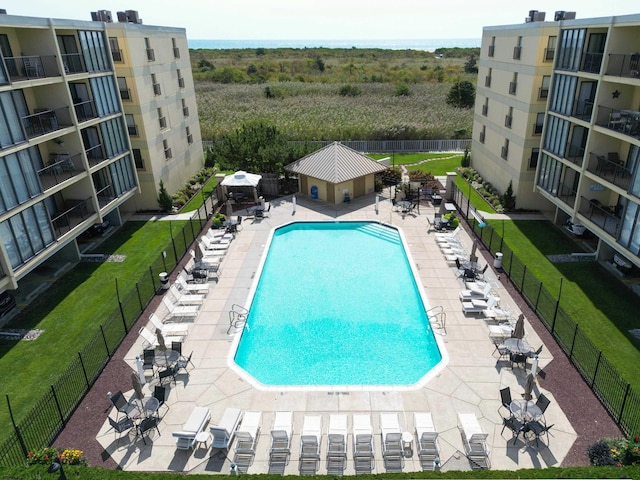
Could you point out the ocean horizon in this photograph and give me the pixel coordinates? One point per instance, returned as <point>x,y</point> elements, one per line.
<point>429,44</point>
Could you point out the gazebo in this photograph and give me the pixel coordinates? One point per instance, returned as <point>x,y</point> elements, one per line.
<point>335,173</point>
<point>242,181</point>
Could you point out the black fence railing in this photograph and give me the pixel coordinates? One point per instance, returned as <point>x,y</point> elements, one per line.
<point>617,396</point>
<point>42,424</point>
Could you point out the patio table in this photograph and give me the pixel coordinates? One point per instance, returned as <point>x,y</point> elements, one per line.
<point>166,358</point>
<point>525,410</point>
<point>518,346</point>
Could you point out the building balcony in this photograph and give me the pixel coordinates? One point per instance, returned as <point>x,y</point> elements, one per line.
<point>156,89</point>
<point>591,62</point>
<point>574,154</point>
<point>45,121</point>
<point>31,67</point>
<point>543,93</point>
<point>181,82</point>
<point>185,111</point>
<point>513,87</point>
<point>610,169</point>
<point>508,120</point>
<point>600,215</point>
<point>85,111</point>
<point>74,63</point>
<point>504,153</point>
<point>583,109</point>
<point>125,94</point>
<point>626,122</point>
<point>105,196</point>
<point>133,130</point>
<point>621,65</point>
<point>151,55</point>
<point>96,154</point>
<point>567,195</point>
<point>485,109</point>
<point>176,52</point>
<point>60,167</point>
<point>72,214</point>
<point>482,136</point>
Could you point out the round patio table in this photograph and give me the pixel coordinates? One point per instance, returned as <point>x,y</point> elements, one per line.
<point>518,345</point>
<point>525,410</point>
<point>166,358</point>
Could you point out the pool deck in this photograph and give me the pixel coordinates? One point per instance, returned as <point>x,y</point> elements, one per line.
<point>468,383</point>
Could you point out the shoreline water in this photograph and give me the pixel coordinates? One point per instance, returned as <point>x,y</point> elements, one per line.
<point>385,44</point>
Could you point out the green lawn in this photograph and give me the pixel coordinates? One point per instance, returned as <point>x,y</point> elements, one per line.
<point>592,296</point>
<point>70,312</point>
<point>438,163</point>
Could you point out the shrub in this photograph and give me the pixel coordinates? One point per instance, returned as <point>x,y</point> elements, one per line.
<point>466,157</point>
<point>600,454</point>
<point>401,90</point>
<point>164,199</point>
<point>350,91</point>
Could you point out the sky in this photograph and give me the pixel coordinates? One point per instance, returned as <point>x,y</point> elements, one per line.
<point>324,19</point>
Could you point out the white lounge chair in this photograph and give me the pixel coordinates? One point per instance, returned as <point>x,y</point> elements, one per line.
<point>184,286</point>
<point>478,306</point>
<point>280,441</point>
<point>310,439</point>
<point>185,298</point>
<point>474,439</point>
<point>337,448</point>
<point>427,438</point>
<point>210,248</point>
<point>151,340</point>
<point>180,310</point>
<point>392,451</point>
<point>210,243</point>
<point>362,443</point>
<point>186,438</point>
<point>476,293</point>
<point>209,255</point>
<point>224,431</point>
<point>448,235</point>
<point>171,329</point>
<point>247,436</point>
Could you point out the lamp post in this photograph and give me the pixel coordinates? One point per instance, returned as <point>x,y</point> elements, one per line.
<point>55,467</point>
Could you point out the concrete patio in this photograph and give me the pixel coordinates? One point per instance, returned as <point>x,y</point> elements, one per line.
<point>468,383</point>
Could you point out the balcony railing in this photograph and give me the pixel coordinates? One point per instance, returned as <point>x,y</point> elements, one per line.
<point>96,154</point>
<point>117,56</point>
<point>487,81</point>
<point>574,154</point>
<point>125,94</point>
<point>105,196</point>
<point>504,152</point>
<point>190,138</point>
<point>507,121</point>
<point>85,111</point>
<point>73,214</point>
<point>537,128</point>
<point>181,82</point>
<point>621,65</point>
<point>163,122</point>
<point>492,50</point>
<point>567,195</point>
<point>600,215</point>
<point>517,51</point>
<point>185,111</point>
<point>513,86</point>
<point>482,135</point>
<point>61,167</point>
<point>591,62</point>
<point>612,171</point>
<point>156,89</point>
<point>583,109</point>
<point>626,122</point>
<point>167,153</point>
<point>485,110</point>
<point>151,55</point>
<point>73,63</point>
<point>176,52</point>
<point>133,130</point>
<point>31,67</point>
<point>549,54</point>
<point>45,121</point>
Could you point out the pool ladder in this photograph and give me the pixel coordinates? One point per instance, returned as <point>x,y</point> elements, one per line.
<point>438,317</point>
<point>237,318</point>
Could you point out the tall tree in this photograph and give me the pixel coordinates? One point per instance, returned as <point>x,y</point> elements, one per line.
<point>462,95</point>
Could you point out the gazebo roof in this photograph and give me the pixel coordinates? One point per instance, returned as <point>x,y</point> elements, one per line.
<point>335,163</point>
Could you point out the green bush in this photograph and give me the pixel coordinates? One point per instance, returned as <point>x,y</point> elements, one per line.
<point>401,90</point>
<point>164,199</point>
<point>350,91</point>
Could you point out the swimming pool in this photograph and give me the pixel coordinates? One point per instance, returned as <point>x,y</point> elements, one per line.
<point>336,304</point>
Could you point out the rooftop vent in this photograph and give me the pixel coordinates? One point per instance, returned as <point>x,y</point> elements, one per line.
<point>535,16</point>
<point>102,16</point>
<point>129,16</point>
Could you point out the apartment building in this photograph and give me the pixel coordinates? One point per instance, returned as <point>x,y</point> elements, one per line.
<point>514,74</point>
<point>70,151</point>
<point>587,171</point>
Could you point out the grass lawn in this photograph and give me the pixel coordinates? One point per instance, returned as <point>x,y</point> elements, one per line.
<point>594,298</point>
<point>439,163</point>
<point>477,200</point>
<point>70,312</point>
<point>197,200</point>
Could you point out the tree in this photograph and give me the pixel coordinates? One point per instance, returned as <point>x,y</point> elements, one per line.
<point>508,200</point>
<point>462,95</point>
<point>466,158</point>
<point>401,90</point>
<point>164,199</point>
<point>471,65</point>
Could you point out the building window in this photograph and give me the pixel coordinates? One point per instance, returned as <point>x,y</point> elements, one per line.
<point>485,107</point>
<point>189,136</point>
<point>544,89</point>
<point>116,53</point>
<point>125,93</point>
<point>180,78</point>
<point>517,50</point>
<point>483,133</point>
<point>167,149</point>
<point>137,158</point>
<point>155,84</point>
<point>132,128</point>
<point>533,161</point>
<point>487,79</point>
<point>513,86</point>
<point>508,119</point>
<point>151,56</point>
<point>29,232</point>
<point>492,47</point>
<point>504,153</point>
<point>162,120</point>
<point>550,51</point>
<point>185,109</point>
<point>537,128</point>
<point>176,50</point>
<point>570,49</point>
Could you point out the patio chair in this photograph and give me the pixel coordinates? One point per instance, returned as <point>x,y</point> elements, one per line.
<point>474,440</point>
<point>183,298</point>
<point>121,426</point>
<point>615,121</point>
<point>514,425</point>
<point>505,398</point>
<point>310,439</point>
<point>538,429</point>
<point>177,347</point>
<point>146,425</point>
<point>480,275</point>
<point>363,448</point>
<point>171,329</point>
<point>392,451</point>
<point>184,286</point>
<point>183,363</point>
<point>151,340</point>
<point>478,306</point>
<point>247,436</point>
<point>427,437</point>
<point>180,310</point>
<point>160,393</point>
<point>337,447</point>
<point>280,441</point>
<point>169,372</point>
<point>122,405</point>
<point>542,403</point>
<point>148,360</point>
<point>477,293</point>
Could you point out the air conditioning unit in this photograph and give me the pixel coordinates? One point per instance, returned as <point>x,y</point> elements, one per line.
<point>539,16</point>
<point>122,17</point>
<point>559,15</point>
<point>3,11</point>
<point>569,15</point>
<point>132,16</point>
<point>102,16</point>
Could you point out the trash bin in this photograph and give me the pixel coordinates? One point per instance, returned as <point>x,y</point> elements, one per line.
<point>497,262</point>
<point>314,193</point>
<point>164,280</point>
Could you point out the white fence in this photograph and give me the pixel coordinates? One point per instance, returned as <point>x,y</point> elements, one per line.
<point>391,146</point>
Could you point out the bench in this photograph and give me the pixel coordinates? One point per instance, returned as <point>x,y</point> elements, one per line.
<point>186,438</point>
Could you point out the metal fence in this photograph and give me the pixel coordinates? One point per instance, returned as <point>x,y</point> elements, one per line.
<point>618,397</point>
<point>50,414</point>
<point>390,146</point>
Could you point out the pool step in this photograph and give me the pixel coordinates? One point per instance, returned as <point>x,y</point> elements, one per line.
<point>382,232</point>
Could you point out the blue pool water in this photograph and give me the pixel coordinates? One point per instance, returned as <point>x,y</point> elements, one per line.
<point>337,304</point>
